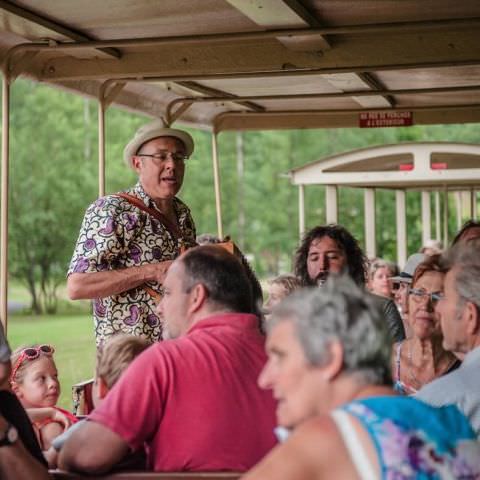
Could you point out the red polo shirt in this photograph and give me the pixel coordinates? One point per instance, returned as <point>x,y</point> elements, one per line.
<point>195,400</point>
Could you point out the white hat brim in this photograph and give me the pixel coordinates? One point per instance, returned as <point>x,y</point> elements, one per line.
<point>155,130</point>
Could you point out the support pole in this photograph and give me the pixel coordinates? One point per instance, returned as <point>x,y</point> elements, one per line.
<point>438,224</point>
<point>426,218</point>
<point>471,203</point>
<point>458,205</point>
<point>369,217</point>
<point>401,218</point>
<point>331,203</point>
<point>101,146</point>
<point>474,204</point>
<point>301,210</point>
<point>216,181</point>
<point>4,203</point>
<point>445,217</point>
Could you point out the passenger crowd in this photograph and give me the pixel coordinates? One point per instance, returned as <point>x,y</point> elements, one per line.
<point>350,368</point>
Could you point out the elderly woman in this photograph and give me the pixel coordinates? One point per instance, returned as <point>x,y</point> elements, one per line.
<point>379,275</point>
<point>329,370</point>
<point>421,358</point>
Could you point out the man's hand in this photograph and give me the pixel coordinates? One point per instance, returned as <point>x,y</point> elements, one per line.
<point>160,270</point>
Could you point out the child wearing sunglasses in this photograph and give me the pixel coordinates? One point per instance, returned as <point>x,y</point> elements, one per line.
<point>34,380</point>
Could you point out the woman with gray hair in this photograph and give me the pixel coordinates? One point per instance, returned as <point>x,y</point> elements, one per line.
<point>329,370</point>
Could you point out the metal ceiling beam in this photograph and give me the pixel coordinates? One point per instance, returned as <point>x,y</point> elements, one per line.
<point>379,28</point>
<point>54,26</point>
<point>289,119</point>
<point>229,97</point>
<point>307,96</point>
<point>199,61</point>
<point>287,73</point>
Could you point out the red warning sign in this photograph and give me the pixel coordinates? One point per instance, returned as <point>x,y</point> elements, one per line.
<point>385,119</point>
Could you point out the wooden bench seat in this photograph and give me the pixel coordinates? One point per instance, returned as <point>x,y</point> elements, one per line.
<point>58,475</point>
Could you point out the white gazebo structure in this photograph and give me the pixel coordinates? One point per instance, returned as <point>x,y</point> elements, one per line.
<point>441,168</point>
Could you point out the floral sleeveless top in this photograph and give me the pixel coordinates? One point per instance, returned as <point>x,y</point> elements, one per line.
<point>415,440</point>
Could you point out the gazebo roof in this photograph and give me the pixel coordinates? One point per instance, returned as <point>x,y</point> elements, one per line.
<point>426,165</point>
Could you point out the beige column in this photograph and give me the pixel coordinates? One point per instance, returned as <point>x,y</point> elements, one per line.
<point>369,217</point>
<point>301,210</point>
<point>458,208</point>
<point>216,182</point>
<point>331,203</point>
<point>445,217</point>
<point>401,220</point>
<point>426,217</point>
<point>438,221</point>
<point>474,204</point>
<point>4,202</point>
<point>101,147</point>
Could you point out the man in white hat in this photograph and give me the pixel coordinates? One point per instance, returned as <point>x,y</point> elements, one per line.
<point>128,240</point>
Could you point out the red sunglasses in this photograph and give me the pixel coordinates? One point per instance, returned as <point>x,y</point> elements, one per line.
<point>30,353</point>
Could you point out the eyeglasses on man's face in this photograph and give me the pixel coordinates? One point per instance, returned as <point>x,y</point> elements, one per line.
<point>418,294</point>
<point>161,157</point>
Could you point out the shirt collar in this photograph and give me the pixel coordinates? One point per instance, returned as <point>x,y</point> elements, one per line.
<point>230,319</point>
<point>140,193</point>
<point>472,356</point>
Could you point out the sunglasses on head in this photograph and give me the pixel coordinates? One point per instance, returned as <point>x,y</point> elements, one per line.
<point>31,353</point>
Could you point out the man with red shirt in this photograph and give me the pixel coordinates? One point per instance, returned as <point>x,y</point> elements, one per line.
<point>192,399</point>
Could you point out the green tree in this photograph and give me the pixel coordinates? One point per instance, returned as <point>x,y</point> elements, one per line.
<point>50,177</point>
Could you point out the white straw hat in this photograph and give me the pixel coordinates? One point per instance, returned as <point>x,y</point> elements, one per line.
<point>154,130</point>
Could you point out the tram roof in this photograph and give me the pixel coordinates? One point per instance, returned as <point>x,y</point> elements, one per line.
<point>263,64</point>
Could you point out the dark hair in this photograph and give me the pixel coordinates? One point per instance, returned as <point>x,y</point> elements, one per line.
<point>222,274</point>
<point>356,260</point>
<point>466,226</point>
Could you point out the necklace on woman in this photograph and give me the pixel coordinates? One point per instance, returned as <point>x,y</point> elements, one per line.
<point>412,376</point>
<point>410,368</point>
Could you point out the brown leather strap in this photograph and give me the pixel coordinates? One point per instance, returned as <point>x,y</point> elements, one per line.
<point>157,297</point>
<point>169,225</point>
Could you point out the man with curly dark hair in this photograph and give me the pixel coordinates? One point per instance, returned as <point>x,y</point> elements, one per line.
<point>332,248</point>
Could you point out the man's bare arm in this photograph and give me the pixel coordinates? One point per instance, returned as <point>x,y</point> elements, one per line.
<point>103,284</point>
<point>93,448</point>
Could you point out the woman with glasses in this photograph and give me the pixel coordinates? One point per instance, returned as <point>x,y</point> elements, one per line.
<point>421,358</point>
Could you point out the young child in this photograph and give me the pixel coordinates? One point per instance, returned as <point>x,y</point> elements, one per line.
<point>34,379</point>
<point>112,360</point>
<point>279,288</point>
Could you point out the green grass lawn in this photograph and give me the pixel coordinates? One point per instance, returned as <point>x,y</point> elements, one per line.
<point>73,340</point>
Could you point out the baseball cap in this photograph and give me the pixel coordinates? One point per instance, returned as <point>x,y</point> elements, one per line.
<point>406,275</point>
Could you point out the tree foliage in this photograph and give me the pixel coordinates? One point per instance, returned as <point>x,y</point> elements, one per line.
<point>53,178</point>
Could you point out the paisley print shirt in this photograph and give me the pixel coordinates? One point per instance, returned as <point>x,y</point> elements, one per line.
<point>114,235</point>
